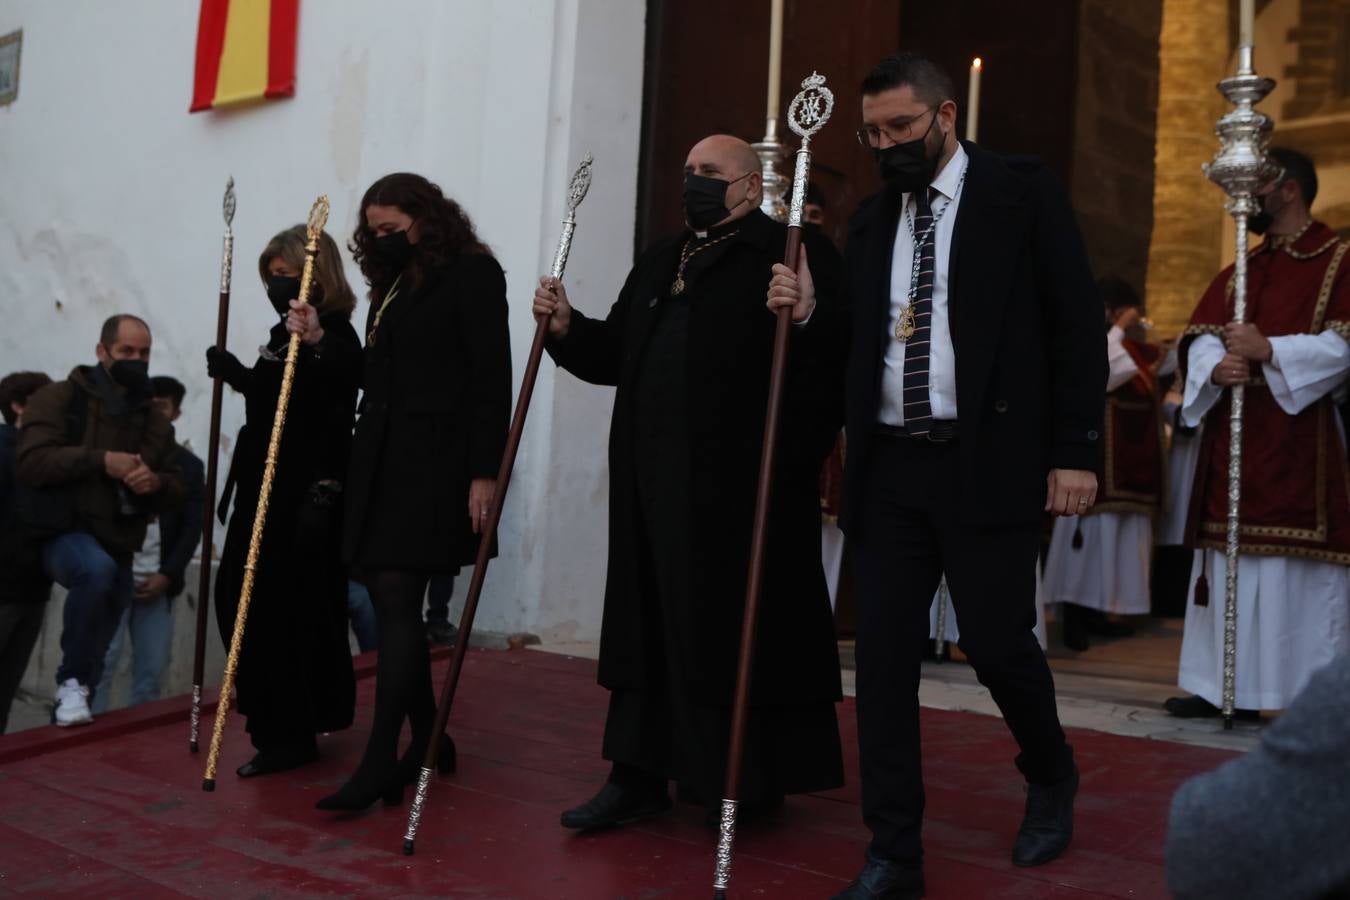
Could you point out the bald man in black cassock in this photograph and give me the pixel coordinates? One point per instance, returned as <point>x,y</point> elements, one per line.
<point>688,345</point>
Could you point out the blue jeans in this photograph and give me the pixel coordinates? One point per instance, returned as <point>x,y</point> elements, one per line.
<point>362,614</point>
<point>99,589</point>
<point>150,624</point>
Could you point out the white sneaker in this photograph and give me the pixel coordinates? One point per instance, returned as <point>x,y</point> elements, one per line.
<point>72,704</point>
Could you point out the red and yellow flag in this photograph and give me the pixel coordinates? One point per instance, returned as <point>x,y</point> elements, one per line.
<point>245,51</point>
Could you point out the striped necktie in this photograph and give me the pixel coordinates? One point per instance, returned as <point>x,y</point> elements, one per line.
<point>918,411</point>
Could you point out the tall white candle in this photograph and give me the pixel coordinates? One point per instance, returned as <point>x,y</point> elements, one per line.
<point>1247,23</point>
<point>973,101</point>
<point>775,56</point>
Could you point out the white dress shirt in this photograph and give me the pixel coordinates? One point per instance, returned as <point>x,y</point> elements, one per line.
<point>941,354</point>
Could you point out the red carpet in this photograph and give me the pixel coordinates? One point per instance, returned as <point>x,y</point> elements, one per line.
<point>116,810</point>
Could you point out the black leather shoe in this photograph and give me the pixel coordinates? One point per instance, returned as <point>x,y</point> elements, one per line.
<point>1047,826</point>
<point>613,806</point>
<point>1075,631</point>
<point>265,762</point>
<point>1097,622</point>
<point>1200,708</point>
<point>444,633</point>
<point>885,879</point>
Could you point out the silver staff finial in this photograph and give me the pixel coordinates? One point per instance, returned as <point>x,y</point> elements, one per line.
<point>228,206</point>
<point>580,184</point>
<point>811,108</point>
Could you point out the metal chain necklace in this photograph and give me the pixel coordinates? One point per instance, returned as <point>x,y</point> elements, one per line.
<point>908,321</point>
<point>379,313</point>
<point>677,287</point>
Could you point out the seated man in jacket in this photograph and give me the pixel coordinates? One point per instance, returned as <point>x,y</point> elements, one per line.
<point>158,570</point>
<point>94,463</point>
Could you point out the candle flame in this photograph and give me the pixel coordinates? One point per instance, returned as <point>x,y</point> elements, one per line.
<point>977,64</point>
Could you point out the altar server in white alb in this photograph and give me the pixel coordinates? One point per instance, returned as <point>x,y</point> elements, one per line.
<point>1292,354</point>
<point>1098,563</point>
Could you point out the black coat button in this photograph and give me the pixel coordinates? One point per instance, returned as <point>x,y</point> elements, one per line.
<point>651,304</point>
<point>1093,435</point>
<point>1000,406</point>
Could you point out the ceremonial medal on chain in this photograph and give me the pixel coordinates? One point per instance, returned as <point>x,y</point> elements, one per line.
<point>904,329</point>
<point>907,324</point>
<point>678,286</point>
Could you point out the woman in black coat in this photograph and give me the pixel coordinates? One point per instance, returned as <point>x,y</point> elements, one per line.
<point>295,676</point>
<point>427,446</point>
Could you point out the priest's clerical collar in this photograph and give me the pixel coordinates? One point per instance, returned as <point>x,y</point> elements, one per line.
<point>726,228</point>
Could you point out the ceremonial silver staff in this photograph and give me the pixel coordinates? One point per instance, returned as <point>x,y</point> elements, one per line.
<point>807,114</point>
<point>213,451</point>
<point>576,192</point>
<point>1241,169</point>
<point>940,634</point>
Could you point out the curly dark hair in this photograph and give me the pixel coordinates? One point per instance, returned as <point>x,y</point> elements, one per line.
<point>444,230</point>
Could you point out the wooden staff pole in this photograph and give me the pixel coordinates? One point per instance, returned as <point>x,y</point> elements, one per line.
<point>212,452</point>
<point>809,111</point>
<point>581,182</point>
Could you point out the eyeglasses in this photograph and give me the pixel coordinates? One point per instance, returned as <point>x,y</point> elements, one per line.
<point>870,135</point>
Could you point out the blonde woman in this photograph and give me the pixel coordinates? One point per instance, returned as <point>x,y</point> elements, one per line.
<point>295,673</point>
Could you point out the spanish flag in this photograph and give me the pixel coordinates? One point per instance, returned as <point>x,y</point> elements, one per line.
<point>245,51</point>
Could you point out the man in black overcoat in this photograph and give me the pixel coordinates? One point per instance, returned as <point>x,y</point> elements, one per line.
<point>974,386</point>
<point>688,344</point>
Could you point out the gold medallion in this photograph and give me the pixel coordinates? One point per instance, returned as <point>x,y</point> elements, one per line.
<point>904,328</point>
<point>677,288</point>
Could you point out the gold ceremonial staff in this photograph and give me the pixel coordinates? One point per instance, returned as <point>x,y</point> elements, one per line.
<point>318,217</point>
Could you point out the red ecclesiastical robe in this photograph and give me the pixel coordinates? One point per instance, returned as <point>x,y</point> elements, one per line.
<point>1294,480</point>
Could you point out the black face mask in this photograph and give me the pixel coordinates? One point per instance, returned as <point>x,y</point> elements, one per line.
<point>132,374</point>
<point>394,248</point>
<point>907,167</point>
<point>705,200</point>
<point>281,290</point>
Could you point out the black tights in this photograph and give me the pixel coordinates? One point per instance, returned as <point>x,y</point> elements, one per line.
<point>403,670</point>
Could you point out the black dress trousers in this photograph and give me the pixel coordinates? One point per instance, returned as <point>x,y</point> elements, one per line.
<point>911,533</point>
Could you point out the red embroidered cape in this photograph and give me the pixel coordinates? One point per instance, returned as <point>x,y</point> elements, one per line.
<point>1294,479</point>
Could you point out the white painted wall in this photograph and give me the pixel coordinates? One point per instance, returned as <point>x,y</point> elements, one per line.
<point>110,202</point>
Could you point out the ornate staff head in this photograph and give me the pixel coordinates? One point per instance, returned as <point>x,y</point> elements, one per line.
<point>1241,167</point>
<point>318,218</point>
<point>807,114</point>
<point>580,184</point>
<point>227,206</point>
<point>811,108</point>
<point>576,192</point>
<point>227,247</point>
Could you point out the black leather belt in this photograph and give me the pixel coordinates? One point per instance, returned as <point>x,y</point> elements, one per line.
<point>940,431</point>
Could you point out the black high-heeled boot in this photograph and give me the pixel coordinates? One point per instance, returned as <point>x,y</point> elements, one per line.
<point>360,792</point>
<point>410,765</point>
<point>402,678</point>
